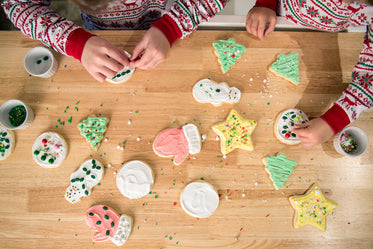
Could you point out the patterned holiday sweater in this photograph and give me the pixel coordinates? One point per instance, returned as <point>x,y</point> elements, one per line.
<point>334,16</point>
<point>36,20</point>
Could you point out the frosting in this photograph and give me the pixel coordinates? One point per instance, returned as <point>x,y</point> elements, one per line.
<point>93,129</point>
<point>285,125</point>
<point>178,142</point>
<point>6,143</point>
<point>83,180</point>
<point>228,52</point>
<point>135,179</point>
<point>279,169</point>
<point>206,91</point>
<point>123,74</point>
<point>235,132</point>
<point>199,199</point>
<point>287,66</point>
<point>311,208</point>
<point>49,150</point>
<point>108,225</point>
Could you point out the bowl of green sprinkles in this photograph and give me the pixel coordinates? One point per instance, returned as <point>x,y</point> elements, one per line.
<point>352,141</point>
<point>40,62</point>
<point>14,114</point>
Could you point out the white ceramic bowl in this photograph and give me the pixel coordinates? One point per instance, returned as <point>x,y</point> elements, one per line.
<point>358,135</point>
<point>7,107</point>
<point>40,62</point>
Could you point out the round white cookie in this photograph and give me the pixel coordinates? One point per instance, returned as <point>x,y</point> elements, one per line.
<point>49,150</point>
<point>124,74</point>
<point>135,179</point>
<point>7,143</point>
<point>284,125</point>
<point>199,199</point>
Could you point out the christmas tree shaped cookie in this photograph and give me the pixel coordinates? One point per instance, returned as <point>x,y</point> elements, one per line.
<point>279,169</point>
<point>93,129</point>
<point>228,52</point>
<point>287,67</point>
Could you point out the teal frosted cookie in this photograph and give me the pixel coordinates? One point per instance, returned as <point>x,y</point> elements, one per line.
<point>287,67</point>
<point>7,142</point>
<point>228,52</point>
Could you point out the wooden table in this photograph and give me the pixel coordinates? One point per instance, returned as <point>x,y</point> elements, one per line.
<point>251,213</point>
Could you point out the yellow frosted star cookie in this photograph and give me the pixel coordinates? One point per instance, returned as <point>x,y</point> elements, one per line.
<point>235,132</point>
<point>311,208</point>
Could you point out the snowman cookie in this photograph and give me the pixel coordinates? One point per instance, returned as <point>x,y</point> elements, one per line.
<point>49,150</point>
<point>7,142</point>
<point>284,125</point>
<point>207,91</point>
<point>124,74</point>
<point>83,180</point>
<point>178,142</point>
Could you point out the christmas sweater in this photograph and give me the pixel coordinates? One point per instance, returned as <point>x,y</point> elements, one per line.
<point>36,20</point>
<point>334,16</point>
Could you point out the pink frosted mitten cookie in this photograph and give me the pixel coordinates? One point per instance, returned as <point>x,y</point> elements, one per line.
<point>108,224</point>
<point>178,142</point>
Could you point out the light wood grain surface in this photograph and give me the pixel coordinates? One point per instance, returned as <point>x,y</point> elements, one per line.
<point>251,213</point>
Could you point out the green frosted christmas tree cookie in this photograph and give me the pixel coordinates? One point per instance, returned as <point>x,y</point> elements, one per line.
<point>287,67</point>
<point>93,129</point>
<point>228,52</point>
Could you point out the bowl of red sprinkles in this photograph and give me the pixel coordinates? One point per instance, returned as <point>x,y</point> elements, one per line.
<point>351,141</point>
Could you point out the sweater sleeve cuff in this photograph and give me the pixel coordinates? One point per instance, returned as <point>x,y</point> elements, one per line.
<point>336,118</point>
<point>168,27</point>
<point>76,42</point>
<point>271,4</point>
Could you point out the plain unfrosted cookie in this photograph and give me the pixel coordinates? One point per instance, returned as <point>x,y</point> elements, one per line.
<point>178,143</point>
<point>83,180</point>
<point>135,179</point>
<point>123,75</point>
<point>49,150</point>
<point>108,224</point>
<point>284,125</point>
<point>93,129</point>
<point>7,143</point>
<point>207,91</point>
<point>287,67</point>
<point>199,199</point>
<point>228,52</point>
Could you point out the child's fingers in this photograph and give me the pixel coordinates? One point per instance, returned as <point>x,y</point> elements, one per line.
<point>260,30</point>
<point>271,26</point>
<point>119,56</point>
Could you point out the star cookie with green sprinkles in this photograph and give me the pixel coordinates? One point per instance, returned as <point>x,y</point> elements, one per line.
<point>235,132</point>
<point>93,129</point>
<point>228,52</point>
<point>311,208</point>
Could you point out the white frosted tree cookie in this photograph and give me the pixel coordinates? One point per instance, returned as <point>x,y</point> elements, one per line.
<point>124,74</point>
<point>108,224</point>
<point>207,91</point>
<point>135,179</point>
<point>178,142</point>
<point>284,125</point>
<point>83,180</point>
<point>7,143</point>
<point>199,199</point>
<point>49,150</point>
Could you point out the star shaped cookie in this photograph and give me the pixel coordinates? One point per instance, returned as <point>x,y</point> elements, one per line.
<point>311,208</point>
<point>235,132</point>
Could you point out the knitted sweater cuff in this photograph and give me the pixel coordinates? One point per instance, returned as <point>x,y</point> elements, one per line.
<point>76,42</point>
<point>336,118</point>
<point>168,27</point>
<point>271,4</point>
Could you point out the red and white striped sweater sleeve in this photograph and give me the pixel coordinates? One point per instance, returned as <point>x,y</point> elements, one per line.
<point>358,96</point>
<point>36,20</point>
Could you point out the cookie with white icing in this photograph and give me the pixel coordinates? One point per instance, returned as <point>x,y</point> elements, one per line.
<point>108,224</point>
<point>284,125</point>
<point>207,91</point>
<point>124,74</point>
<point>7,143</point>
<point>178,143</point>
<point>83,180</point>
<point>199,199</point>
<point>49,150</point>
<point>135,179</point>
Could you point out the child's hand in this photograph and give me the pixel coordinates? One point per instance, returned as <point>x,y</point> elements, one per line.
<point>151,50</point>
<point>102,59</point>
<point>314,132</point>
<point>260,21</point>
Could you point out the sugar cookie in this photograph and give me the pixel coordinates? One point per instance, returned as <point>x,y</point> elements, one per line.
<point>93,129</point>
<point>7,143</point>
<point>228,52</point>
<point>284,125</point>
<point>279,169</point>
<point>124,74</point>
<point>287,67</point>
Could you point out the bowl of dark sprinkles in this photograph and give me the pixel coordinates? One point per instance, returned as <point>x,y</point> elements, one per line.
<point>351,141</point>
<point>14,114</point>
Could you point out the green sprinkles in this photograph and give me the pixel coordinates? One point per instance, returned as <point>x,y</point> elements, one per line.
<point>17,115</point>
